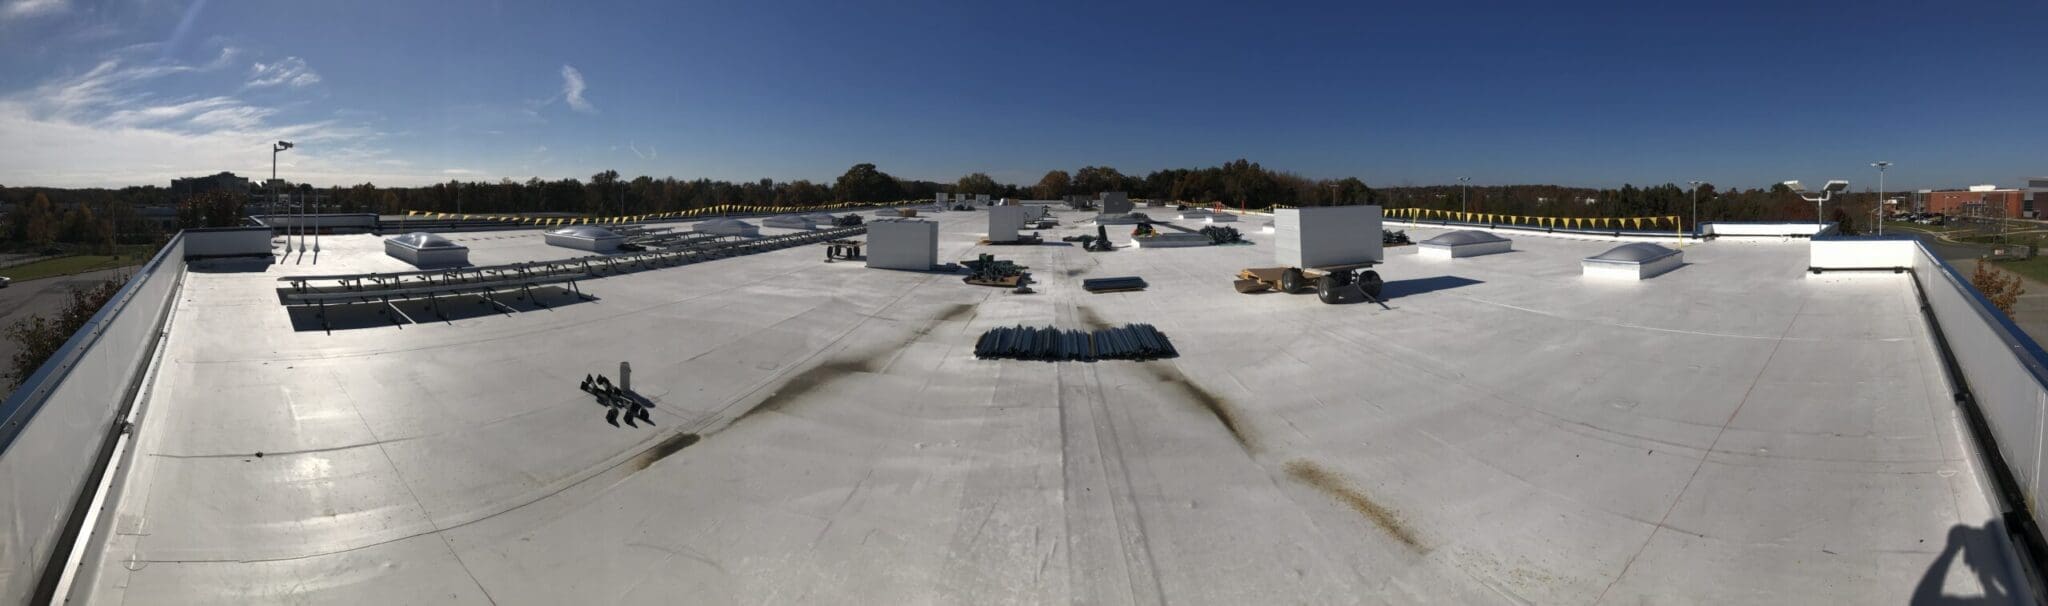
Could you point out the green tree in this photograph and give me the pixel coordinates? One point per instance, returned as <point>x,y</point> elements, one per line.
<point>863,183</point>
<point>977,184</point>
<point>1091,180</point>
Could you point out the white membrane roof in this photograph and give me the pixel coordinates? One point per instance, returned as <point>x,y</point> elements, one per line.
<point>1732,432</point>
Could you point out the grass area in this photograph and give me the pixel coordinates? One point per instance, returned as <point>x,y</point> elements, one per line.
<point>2035,269</point>
<point>128,254</point>
<point>75,264</point>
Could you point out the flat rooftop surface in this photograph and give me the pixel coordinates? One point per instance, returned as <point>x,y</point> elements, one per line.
<point>1734,431</point>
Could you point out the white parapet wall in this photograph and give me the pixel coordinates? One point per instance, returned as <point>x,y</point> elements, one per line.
<point>227,242</point>
<point>1327,235</point>
<point>1768,230</point>
<point>1862,253</point>
<point>903,244</point>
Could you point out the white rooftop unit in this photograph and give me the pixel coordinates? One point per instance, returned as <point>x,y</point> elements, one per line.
<point>1462,243</point>
<point>727,227</point>
<point>1327,235</point>
<point>903,244</point>
<point>940,197</point>
<point>1115,202</point>
<point>584,237</point>
<point>981,199</point>
<point>425,250</point>
<point>1634,261</point>
<point>1005,221</point>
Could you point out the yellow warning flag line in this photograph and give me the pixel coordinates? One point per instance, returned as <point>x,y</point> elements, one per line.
<point>1414,214</point>
<point>694,212</point>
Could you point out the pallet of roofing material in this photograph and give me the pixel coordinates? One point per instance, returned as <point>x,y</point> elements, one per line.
<point>1117,284</point>
<point>1333,284</point>
<point>987,270</point>
<point>1127,342</point>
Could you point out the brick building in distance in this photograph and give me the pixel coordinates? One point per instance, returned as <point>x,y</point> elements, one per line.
<point>2010,203</point>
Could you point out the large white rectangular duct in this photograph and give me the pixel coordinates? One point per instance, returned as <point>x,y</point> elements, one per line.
<point>912,245</point>
<point>1327,235</point>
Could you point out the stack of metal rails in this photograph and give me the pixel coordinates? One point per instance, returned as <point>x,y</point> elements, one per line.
<point>1127,342</point>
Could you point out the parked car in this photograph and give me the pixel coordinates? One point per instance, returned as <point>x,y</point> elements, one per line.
<point>4,281</point>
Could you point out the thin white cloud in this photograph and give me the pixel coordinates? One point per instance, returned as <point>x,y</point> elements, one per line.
<point>457,171</point>
<point>23,9</point>
<point>572,90</point>
<point>650,154</point>
<point>292,71</point>
<point>109,126</point>
<point>159,114</point>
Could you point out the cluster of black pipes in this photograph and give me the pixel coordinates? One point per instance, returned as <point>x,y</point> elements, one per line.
<point>1127,342</point>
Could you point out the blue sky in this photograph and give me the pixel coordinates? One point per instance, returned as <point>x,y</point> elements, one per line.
<point>1597,94</point>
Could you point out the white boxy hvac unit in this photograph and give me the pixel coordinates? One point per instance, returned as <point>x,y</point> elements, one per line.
<point>903,244</point>
<point>1005,221</point>
<point>1327,235</point>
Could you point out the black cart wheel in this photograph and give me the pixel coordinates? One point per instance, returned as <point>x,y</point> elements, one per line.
<point>1291,280</point>
<point>1370,282</point>
<point>1327,288</point>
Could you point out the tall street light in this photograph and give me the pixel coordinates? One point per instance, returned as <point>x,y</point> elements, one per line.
<point>1462,197</point>
<point>278,147</point>
<point>1879,217</point>
<point>1695,207</point>
<point>1820,199</point>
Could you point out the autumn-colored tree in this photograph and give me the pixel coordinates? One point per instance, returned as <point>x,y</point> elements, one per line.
<point>1053,185</point>
<point>39,338</point>
<point>2003,289</point>
<point>41,220</point>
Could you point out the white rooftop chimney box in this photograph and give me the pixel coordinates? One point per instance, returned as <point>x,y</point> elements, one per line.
<point>941,198</point>
<point>1004,222</point>
<point>903,244</point>
<point>1115,203</point>
<point>1327,235</point>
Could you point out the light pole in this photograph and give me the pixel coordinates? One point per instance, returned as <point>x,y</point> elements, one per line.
<point>1879,217</point>
<point>278,147</point>
<point>1827,192</point>
<point>1695,207</point>
<point>1462,197</point>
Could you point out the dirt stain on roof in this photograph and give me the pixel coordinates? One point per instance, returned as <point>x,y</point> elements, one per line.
<point>1334,484</point>
<point>1225,412</point>
<point>672,445</point>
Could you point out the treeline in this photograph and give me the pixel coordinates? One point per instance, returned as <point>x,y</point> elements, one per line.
<point>1239,183</point>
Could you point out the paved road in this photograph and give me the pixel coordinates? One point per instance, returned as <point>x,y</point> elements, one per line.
<point>45,297</point>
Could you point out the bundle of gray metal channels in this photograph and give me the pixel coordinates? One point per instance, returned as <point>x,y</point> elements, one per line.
<point>1116,284</point>
<point>1127,342</point>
